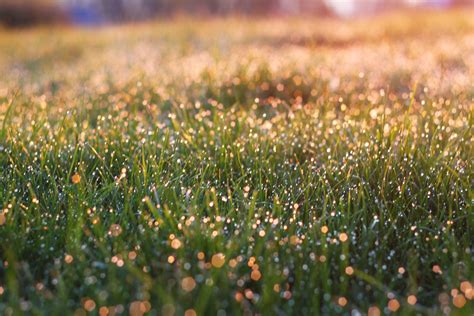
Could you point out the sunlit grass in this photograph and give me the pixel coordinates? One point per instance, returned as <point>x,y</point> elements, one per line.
<point>238,166</point>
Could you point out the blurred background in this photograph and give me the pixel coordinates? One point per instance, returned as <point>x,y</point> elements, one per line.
<point>20,13</point>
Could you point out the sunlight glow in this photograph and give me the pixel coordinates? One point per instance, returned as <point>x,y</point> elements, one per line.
<point>342,7</point>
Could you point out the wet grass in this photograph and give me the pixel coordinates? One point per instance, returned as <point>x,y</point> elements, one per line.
<point>171,168</point>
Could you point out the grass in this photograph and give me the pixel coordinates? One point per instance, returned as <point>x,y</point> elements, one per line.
<point>236,166</point>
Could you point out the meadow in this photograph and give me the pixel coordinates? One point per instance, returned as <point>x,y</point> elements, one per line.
<point>238,165</point>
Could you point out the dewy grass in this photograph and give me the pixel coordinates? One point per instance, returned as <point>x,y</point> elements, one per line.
<point>238,167</point>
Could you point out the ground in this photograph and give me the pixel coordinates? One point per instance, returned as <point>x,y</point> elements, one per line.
<point>239,166</point>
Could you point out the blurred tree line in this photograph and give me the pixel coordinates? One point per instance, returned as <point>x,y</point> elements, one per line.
<point>23,13</point>
<point>30,12</point>
<point>26,12</point>
<point>139,9</point>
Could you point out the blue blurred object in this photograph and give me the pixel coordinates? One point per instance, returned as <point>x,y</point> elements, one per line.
<point>83,15</point>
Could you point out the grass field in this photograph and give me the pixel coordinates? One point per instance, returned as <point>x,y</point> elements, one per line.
<point>239,166</point>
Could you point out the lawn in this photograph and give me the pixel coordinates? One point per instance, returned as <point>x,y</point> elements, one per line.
<point>239,165</point>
